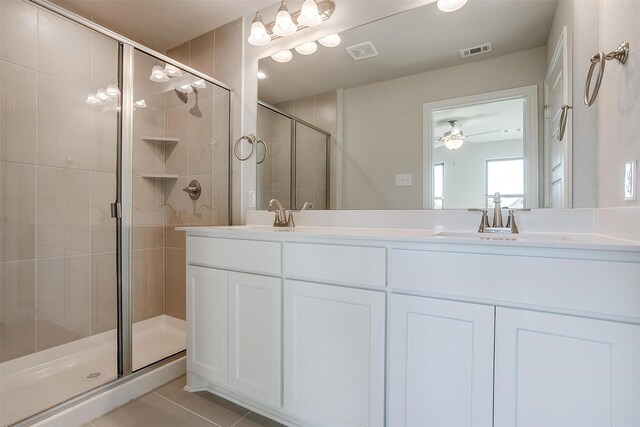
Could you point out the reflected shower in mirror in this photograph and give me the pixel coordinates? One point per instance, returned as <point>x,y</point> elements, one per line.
<point>388,92</point>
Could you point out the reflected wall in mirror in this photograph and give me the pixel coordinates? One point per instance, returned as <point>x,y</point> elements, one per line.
<point>388,92</point>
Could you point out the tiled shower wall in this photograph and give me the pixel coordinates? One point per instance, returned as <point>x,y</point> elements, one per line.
<point>159,205</point>
<point>57,178</point>
<point>274,173</point>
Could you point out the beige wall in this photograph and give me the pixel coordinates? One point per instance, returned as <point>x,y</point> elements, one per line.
<point>57,179</point>
<point>383,124</point>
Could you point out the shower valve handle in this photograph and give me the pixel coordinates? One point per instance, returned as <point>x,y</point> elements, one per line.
<point>193,189</point>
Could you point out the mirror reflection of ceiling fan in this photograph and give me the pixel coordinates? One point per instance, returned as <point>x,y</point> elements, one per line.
<point>454,138</point>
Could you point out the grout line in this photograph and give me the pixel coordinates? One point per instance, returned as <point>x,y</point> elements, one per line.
<point>238,422</point>
<point>186,409</point>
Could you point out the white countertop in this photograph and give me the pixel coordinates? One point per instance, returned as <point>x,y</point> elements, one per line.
<point>466,237</point>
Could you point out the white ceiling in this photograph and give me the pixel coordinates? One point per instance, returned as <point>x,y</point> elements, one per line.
<point>163,24</point>
<point>415,41</point>
<point>488,122</point>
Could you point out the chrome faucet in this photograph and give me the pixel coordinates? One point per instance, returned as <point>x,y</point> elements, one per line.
<point>497,226</point>
<point>307,205</point>
<point>281,219</point>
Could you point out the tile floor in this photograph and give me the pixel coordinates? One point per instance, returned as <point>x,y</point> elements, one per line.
<point>171,406</point>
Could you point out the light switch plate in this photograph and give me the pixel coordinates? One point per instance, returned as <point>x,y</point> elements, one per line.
<point>404,180</point>
<point>252,199</point>
<point>630,182</point>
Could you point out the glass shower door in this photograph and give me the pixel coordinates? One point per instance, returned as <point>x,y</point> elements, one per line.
<point>180,140</point>
<point>59,110</point>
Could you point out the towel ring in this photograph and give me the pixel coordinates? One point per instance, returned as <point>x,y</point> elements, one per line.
<point>259,141</point>
<point>562,126</point>
<point>251,139</point>
<point>621,54</point>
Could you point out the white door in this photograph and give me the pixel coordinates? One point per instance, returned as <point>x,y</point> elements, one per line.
<point>563,371</point>
<point>207,345</point>
<point>440,363</point>
<point>254,336</point>
<point>557,153</point>
<point>334,354</point>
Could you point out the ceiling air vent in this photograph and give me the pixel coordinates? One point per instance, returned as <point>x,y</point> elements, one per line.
<point>476,50</point>
<point>362,51</point>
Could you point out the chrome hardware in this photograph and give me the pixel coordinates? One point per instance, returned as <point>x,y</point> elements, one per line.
<point>497,211</point>
<point>281,219</point>
<point>484,222</point>
<point>251,139</point>
<point>116,210</point>
<point>306,206</point>
<point>621,54</point>
<point>562,125</point>
<point>511,220</point>
<point>497,227</point>
<point>259,141</point>
<point>193,189</point>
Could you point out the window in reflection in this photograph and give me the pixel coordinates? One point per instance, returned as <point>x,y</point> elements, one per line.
<point>506,176</point>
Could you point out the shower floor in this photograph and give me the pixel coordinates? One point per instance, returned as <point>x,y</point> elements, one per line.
<point>38,381</point>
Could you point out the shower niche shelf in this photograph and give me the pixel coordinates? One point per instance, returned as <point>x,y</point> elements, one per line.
<point>161,139</point>
<point>158,176</point>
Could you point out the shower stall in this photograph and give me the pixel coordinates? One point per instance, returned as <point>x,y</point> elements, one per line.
<point>98,138</point>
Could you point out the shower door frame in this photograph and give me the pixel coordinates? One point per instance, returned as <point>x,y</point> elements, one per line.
<point>122,206</point>
<point>294,122</point>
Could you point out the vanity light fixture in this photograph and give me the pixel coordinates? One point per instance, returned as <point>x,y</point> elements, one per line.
<point>262,75</point>
<point>331,40</point>
<point>286,24</point>
<point>184,88</point>
<point>307,48</point>
<point>259,35</point>
<point>158,75</point>
<point>93,99</point>
<point>172,71</point>
<point>282,56</point>
<point>140,104</point>
<point>102,95</point>
<point>451,5</point>
<point>309,15</point>
<point>113,91</point>
<point>199,84</point>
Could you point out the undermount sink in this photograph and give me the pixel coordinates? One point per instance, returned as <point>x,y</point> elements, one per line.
<point>505,237</point>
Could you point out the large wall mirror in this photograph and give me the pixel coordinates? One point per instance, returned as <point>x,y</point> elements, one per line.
<point>424,110</point>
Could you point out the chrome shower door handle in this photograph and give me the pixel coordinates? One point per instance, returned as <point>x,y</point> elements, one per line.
<point>194,189</point>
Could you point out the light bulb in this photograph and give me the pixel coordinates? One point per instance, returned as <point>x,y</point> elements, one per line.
<point>453,144</point>
<point>284,24</point>
<point>282,56</point>
<point>140,104</point>
<point>184,88</point>
<point>259,35</point>
<point>262,75</point>
<point>102,95</point>
<point>158,75</point>
<point>307,48</point>
<point>113,91</point>
<point>172,71</point>
<point>309,15</point>
<point>92,99</point>
<point>332,40</point>
<point>450,5</point>
<point>199,84</point>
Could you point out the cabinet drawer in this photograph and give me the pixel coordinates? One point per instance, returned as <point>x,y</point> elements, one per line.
<point>585,285</point>
<point>358,265</point>
<point>245,255</point>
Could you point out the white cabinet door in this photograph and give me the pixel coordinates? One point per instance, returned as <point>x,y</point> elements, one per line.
<point>440,363</point>
<point>254,336</point>
<point>334,354</point>
<point>563,371</point>
<point>207,345</point>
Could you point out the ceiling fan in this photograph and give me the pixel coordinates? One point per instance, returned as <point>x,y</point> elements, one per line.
<point>454,138</point>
